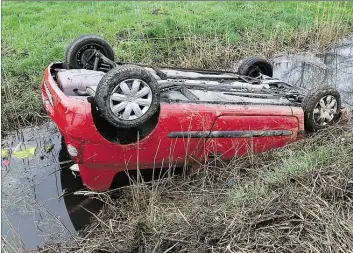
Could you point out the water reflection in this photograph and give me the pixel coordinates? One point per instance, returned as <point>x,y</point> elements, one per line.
<point>39,204</point>
<point>79,207</point>
<point>33,208</point>
<point>333,68</point>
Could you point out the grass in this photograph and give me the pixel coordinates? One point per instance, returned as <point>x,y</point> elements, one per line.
<point>189,34</point>
<point>295,199</point>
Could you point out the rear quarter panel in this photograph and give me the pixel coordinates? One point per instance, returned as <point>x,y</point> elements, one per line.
<point>267,120</point>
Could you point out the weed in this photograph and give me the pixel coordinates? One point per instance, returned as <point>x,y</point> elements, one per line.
<point>186,34</point>
<point>307,207</point>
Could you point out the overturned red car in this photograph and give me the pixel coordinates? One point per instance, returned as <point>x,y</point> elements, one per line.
<point>116,116</point>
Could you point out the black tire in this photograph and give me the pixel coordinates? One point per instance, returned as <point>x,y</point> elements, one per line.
<point>78,51</point>
<point>254,66</point>
<point>311,101</point>
<point>111,80</point>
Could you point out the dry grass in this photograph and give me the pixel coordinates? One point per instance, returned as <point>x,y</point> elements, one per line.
<point>219,52</point>
<point>176,34</point>
<point>296,199</point>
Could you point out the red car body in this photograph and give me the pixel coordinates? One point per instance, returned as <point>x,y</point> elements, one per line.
<point>185,134</point>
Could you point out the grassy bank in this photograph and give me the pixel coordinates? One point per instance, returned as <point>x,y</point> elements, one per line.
<point>296,199</point>
<point>190,34</point>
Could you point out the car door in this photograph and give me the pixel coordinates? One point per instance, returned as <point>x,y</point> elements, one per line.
<point>180,133</point>
<point>240,130</point>
<point>176,139</point>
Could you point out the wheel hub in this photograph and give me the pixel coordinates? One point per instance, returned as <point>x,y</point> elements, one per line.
<point>86,55</point>
<point>325,110</point>
<point>131,99</point>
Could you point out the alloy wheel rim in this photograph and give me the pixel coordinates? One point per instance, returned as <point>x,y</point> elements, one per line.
<point>131,99</point>
<point>325,110</point>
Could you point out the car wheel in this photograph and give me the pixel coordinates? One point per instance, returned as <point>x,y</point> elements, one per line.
<point>254,66</point>
<point>321,108</point>
<point>127,96</point>
<point>80,53</point>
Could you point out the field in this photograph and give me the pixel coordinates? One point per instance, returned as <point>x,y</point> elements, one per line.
<point>295,199</point>
<point>190,34</point>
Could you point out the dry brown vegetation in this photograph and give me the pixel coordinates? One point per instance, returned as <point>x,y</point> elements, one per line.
<point>195,34</point>
<point>295,199</point>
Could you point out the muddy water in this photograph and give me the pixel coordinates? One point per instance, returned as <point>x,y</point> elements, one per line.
<point>33,208</point>
<point>333,68</point>
<point>31,187</point>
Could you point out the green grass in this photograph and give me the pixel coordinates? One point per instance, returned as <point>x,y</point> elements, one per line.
<point>37,33</point>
